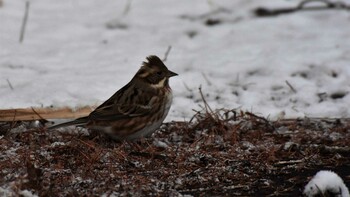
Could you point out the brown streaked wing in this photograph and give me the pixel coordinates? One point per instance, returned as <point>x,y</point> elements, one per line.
<point>116,96</point>
<point>117,112</point>
<point>124,105</point>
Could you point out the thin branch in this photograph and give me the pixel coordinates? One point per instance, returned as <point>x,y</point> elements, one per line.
<point>257,117</point>
<point>166,53</point>
<point>207,107</point>
<point>38,114</point>
<point>13,122</point>
<point>24,22</point>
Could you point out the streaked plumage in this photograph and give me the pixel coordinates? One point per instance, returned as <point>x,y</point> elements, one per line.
<point>137,109</point>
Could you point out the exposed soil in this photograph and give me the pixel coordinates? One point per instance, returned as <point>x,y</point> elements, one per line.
<point>221,153</point>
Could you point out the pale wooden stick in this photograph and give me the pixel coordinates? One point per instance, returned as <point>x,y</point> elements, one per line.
<point>28,114</point>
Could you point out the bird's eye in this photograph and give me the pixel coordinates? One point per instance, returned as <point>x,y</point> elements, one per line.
<point>159,73</point>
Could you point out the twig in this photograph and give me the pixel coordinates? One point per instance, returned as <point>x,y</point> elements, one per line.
<point>319,190</point>
<point>13,122</point>
<point>85,155</point>
<point>37,114</point>
<point>289,162</point>
<point>24,22</point>
<point>264,12</point>
<point>206,15</point>
<point>87,144</point>
<point>257,117</point>
<point>187,88</point>
<point>166,53</point>
<point>206,79</point>
<point>127,8</point>
<point>291,87</point>
<point>8,81</point>
<point>207,107</point>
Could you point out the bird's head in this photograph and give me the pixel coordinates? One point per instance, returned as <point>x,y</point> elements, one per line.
<point>155,72</point>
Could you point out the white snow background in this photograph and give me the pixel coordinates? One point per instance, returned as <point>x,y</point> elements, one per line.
<point>79,52</point>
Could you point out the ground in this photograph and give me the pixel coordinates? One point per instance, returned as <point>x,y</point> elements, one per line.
<point>221,153</point>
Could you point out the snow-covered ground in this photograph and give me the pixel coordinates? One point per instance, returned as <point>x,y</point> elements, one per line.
<point>79,52</point>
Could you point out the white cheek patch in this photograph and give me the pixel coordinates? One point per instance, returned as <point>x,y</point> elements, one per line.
<point>160,84</point>
<point>144,75</point>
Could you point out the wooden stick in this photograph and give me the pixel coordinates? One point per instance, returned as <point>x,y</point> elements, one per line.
<point>28,114</point>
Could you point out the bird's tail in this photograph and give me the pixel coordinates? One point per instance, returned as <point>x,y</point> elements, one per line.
<point>77,122</point>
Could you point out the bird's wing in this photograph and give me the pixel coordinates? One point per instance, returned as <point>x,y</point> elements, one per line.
<point>117,112</point>
<point>124,104</point>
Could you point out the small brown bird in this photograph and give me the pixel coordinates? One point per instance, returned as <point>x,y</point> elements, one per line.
<point>137,109</point>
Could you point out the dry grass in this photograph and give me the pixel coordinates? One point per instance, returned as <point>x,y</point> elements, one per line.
<point>221,153</point>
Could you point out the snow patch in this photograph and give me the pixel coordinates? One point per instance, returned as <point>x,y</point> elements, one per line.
<point>326,182</point>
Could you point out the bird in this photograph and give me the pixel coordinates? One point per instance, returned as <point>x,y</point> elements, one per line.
<point>137,109</point>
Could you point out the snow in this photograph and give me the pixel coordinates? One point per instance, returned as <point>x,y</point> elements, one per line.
<point>26,193</point>
<point>326,181</point>
<point>78,53</point>
<point>160,144</point>
<point>5,191</point>
<point>54,144</point>
<point>8,191</point>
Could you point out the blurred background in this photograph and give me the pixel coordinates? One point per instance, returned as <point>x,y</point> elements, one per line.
<point>294,63</point>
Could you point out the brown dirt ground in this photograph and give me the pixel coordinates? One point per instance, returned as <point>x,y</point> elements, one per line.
<point>221,153</point>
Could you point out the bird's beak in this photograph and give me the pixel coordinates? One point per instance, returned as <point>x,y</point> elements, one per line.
<point>171,74</point>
